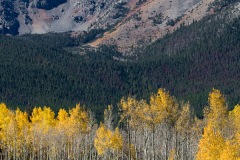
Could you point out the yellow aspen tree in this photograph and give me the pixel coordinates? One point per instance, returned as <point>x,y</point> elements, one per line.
<point>79,119</point>
<point>131,111</point>
<point>4,113</point>
<point>62,124</point>
<point>112,141</point>
<point>217,115</point>
<point>22,123</point>
<point>116,141</point>
<point>231,150</point>
<point>42,121</point>
<point>16,131</point>
<point>162,109</point>
<point>234,117</point>
<point>183,132</point>
<point>212,142</point>
<point>11,136</point>
<point>78,128</point>
<point>62,115</point>
<point>102,141</point>
<point>43,118</point>
<point>7,131</point>
<point>183,124</point>
<point>107,141</point>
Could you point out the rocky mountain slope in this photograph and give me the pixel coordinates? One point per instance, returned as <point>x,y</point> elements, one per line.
<point>126,23</point>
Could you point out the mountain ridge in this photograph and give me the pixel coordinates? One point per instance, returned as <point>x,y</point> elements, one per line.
<point>127,23</point>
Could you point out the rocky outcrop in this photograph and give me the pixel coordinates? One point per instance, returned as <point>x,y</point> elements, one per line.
<point>126,23</point>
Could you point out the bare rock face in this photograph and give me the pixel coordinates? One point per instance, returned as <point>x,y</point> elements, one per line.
<point>42,16</point>
<point>8,18</point>
<point>127,23</point>
<point>152,19</point>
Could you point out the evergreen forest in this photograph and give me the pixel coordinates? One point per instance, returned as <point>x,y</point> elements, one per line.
<point>57,70</point>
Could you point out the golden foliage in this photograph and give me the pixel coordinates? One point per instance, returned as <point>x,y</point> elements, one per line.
<point>162,108</point>
<point>212,143</point>
<point>231,151</point>
<point>30,137</point>
<point>106,140</point>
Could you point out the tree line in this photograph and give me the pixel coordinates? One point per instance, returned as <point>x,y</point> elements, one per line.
<point>158,128</point>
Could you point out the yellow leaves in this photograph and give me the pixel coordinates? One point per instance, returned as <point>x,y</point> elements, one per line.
<point>211,145</point>
<point>4,115</point>
<point>217,114</point>
<point>133,110</point>
<point>117,140</point>
<point>6,121</point>
<point>217,101</point>
<point>231,151</point>
<point>162,108</point>
<point>106,140</point>
<point>45,134</point>
<point>79,119</point>
<point>43,118</point>
<point>19,136</point>
<point>21,118</point>
<point>62,115</point>
<point>184,119</point>
<point>218,110</point>
<point>163,98</point>
<point>234,144</point>
<point>128,104</point>
<point>101,142</point>
<point>22,123</point>
<point>234,117</point>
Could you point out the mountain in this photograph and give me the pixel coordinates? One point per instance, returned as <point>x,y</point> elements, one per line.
<point>126,23</point>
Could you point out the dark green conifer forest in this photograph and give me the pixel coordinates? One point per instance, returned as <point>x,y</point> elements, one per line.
<point>38,70</point>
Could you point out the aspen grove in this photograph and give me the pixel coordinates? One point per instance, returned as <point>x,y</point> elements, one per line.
<point>158,128</point>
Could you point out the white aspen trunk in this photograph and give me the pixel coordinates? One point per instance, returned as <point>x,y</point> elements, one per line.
<point>122,154</point>
<point>135,144</point>
<point>153,141</point>
<point>166,143</point>
<point>146,144</point>
<point>129,141</point>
